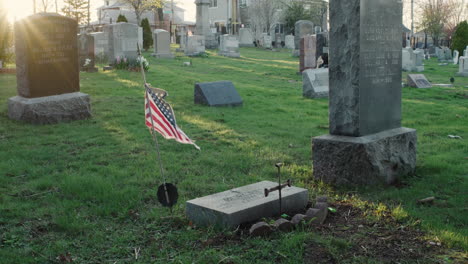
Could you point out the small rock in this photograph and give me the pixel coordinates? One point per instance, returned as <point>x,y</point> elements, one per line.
<point>360,226</point>
<point>322,215</point>
<point>321,205</point>
<point>454,137</point>
<point>297,219</point>
<point>260,229</point>
<point>283,225</point>
<point>318,216</point>
<point>312,213</point>
<point>322,199</point>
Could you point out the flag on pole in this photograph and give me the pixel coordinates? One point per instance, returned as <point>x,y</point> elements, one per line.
<point>160,116</point>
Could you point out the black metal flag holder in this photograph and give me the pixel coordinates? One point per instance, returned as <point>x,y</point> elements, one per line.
<point>167,192</point>
<point>279,187</point>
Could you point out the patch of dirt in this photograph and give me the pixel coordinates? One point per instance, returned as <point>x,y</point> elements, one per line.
<point>384,241</point>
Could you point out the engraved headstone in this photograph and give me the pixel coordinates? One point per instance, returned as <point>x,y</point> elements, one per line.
<point>412,60</point>
<point>418,81</point>
<point>267,41</point>
<point>301,28</point>
<point>307,59</point>
<point>101,45</point>
<point>245,204</point>
<point>123,40</point>
<point>463,67</point>
<point>245,37</point>
<point>47,76</point>
<point>315,83</point>
<point>195,45</point>
<point>367,144</point>
<point>162,44</point>
<point>289,40</point>
<point>229,46</point>
<point>86,53</point>
<point>222,93</point>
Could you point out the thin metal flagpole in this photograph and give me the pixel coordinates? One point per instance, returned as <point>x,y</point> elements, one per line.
<point>153,131</point>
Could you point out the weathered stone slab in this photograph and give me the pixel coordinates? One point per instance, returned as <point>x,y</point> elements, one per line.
<point>123,40</point>
<point>229,46</point>
<point>46,55</point>
<point>289,40</point>
<point>267,41</point>
<point>162,44</point>
<point>246,38</point>
<point>418,81</point>
<point>195,45</point>
<point>222,93</point>
<point>245,204</point>
<point>315,83</point>
<point>374,159</point>
<point>50,109</point>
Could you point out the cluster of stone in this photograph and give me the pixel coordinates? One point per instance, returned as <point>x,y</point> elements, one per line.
<point>314,216</point>
<point>444,54</point>
<point>412,60</point>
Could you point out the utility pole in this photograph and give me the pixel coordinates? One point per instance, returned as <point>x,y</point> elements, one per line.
<point>89,14</point>
<point>56,7</point>
<point>172,22</point>
<point>412,22</point>
<point>34,6</point>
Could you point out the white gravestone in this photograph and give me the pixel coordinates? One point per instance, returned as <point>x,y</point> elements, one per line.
<point>463,67</point>
<point>195,45</point>
<point>162,44</point>
<point>267,41</point>
<point>289,41</point>
<point>456,54</point>
<point>246,37</point>
<point>229,46</point>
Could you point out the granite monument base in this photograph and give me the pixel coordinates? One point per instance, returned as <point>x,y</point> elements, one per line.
<point>244,204</point>
<point>379,158</point>
<point>50,109</point>
<point>462,74</point>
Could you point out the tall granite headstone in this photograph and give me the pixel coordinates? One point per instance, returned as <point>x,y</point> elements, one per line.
<point>123,39</point>
<point>301,28</point>
<point>367,144</point>
<point>86,53</point>
<point>162,44</point>
<point>203,24</point>
<point>47,76</point>
<point>307,58</point>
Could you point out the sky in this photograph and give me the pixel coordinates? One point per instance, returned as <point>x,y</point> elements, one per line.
<point>18,9</point>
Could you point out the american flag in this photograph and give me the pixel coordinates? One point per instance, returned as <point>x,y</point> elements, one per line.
<point>161,116</point>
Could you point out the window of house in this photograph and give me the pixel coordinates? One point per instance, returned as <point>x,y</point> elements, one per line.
<point>214,3</point>
<point>279,28</point>
<point>243,3</point>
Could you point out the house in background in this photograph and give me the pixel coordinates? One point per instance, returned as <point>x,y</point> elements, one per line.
<point>111,9</point>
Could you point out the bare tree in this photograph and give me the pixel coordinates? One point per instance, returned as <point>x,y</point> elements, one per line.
<point>434,17</point>
<point>44,5</point>
<point>263,15</point>
<point>141,6</point>
<point>458,14</point>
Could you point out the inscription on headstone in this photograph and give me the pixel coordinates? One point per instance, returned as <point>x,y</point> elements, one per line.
<point>418,81</point>
<point>46,55</point>
<point>248,203</point>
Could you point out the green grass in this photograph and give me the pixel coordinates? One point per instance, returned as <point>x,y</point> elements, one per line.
<point>88,188</point>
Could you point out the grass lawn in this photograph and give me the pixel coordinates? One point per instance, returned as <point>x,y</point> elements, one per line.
<point>85,191</point>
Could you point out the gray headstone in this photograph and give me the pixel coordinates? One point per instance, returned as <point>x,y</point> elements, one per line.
<point>365,93</point>
<point>222,93</point>
<point>463,67</point>
<point>418,81</point>
<point>302,28</point>
<point>289,40</point>
<point>86,52</point>
<point>245,37</point>
<point>267,41</point>
<point>367,144</point>
<point>123,39</point>
<point>162,44</point>
<point>101,45</point>
<point>315,83</point>
<point>245,204</point>
<point>195,45</point>
<point>456,55</point>
<point>229,46</point>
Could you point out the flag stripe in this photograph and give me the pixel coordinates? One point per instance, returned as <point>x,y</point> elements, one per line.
<point>160,117</point>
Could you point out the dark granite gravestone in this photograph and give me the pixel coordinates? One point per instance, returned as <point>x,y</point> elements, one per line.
<point>312,47</point>
<point>86,53</point>
<point>367,144</point>
<point>47,71</point>
<point>222,93</point>
<point>418,81</point>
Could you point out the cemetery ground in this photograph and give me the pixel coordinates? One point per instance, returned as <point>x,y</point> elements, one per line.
<point>85,191</point>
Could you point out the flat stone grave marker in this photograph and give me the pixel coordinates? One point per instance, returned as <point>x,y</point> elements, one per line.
<point>315,83</point>
<point>222,93</point>
<point>231,208</point>
<point>418,81</point>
